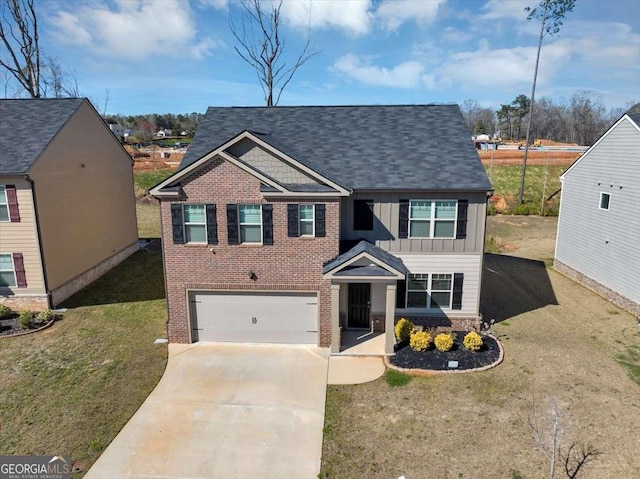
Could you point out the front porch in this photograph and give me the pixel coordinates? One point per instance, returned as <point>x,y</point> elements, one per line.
<point>363,300</point>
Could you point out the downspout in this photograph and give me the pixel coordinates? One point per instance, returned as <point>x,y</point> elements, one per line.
<point>44,268</point>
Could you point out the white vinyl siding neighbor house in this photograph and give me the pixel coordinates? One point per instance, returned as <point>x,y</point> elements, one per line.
<point>598,240</point>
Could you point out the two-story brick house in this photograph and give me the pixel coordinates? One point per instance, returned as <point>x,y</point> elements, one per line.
<point>291,224</point>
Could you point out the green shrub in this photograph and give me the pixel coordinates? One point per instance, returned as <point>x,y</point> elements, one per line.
<point>492,210</point>
<point>45,316</point>
<point>472,341</point>
<point>5,311</point>
<point>528,208</point>
<point>444,341</point>
<point>403,329</point>
<point>420,340</point>
<point>25,320</point>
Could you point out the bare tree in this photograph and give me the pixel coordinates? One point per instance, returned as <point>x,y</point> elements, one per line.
<point>549,428</point>
<point>551,14</point>
<point>262,46</point>
<point>19,34</point>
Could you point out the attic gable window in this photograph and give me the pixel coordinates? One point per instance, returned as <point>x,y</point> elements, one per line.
<point>605,201</point>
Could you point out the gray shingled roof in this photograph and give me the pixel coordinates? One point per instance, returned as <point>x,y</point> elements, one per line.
<point>360,147</point>
<point>635,117</point>
<point>26,128</point>
<point>371,249</point>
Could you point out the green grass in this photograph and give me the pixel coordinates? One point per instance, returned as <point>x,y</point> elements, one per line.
<point>69,389</point>
<point>506,182</point>
<point>493,244</point>
<point>148,220</point>
<point>143,180</point>
<point>396,378</point>
<point>630,360</point>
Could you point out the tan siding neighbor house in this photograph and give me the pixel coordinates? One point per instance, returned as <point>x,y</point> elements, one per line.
<point>69,201</point>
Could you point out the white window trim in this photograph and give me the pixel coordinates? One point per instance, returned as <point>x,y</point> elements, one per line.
<point>312,220</point>
<point>602,193</point>
<point>3,188</point>
<point>240,225</point>
<point>191,223</point>
<point>13,270</point>
<point>432,221</point>
<point>429,291</point>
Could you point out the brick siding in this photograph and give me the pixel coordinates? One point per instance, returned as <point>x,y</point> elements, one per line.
<point>290,264</point>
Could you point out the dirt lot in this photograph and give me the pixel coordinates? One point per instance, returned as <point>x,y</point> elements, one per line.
<point>561,343</point>
<point>515,157</point>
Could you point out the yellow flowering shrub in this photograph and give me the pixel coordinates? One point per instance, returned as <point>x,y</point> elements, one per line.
<point>444,341</point>
<point>403,329</point>
<point>472,341</point>
<point>420,340</point>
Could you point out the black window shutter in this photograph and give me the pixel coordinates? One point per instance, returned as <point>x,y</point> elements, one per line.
<point>363,215</point>
<point>320,221</point>
<point>292,221</point>
<point>176,223</point>
<point>267,224</point>
<point>212,224</point>
<point>232,224</point>
<point>12,200</point>
<point>461,230</point>
<point>403,224</point>
<point>458,279</point>
<point>401,294</point>
<point>18,264</point>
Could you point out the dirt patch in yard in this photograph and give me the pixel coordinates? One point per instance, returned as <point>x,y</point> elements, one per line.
<point>561,342</point>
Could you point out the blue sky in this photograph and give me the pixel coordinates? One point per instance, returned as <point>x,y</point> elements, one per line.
<point>177,55</point>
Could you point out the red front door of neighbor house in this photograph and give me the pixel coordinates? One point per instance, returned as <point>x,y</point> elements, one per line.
<point>359,306</point>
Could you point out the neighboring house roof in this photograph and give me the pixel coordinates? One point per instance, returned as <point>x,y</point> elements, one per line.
<point>27,126</point>
<point>365,248</point>
<point>421,147</point>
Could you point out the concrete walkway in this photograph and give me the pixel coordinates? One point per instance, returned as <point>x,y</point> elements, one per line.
<point>354,369</point>
<point>226,411</point>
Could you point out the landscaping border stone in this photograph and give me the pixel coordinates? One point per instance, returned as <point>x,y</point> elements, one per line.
<point>23,333</point>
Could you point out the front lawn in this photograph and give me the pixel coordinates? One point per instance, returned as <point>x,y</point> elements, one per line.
<point>68,390</point>
<point>561,343</point>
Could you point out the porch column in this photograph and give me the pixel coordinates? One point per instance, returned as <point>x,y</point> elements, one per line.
<point>335,318</point>
<point>389,333</point>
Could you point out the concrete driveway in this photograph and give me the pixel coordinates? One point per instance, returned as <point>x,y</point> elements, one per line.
<point>226,411</point>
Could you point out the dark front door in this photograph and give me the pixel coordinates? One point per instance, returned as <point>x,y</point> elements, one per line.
<point>359,305</point>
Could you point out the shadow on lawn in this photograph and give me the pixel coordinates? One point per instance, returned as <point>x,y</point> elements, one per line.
<point>512,286</point>
<point>138,278</point>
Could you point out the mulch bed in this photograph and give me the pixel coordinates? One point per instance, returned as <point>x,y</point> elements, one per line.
<point>9,326</point>
<point>434,360</point>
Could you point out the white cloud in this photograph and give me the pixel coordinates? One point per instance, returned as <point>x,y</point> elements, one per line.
<point>453,35</point>
<point>512,9</point>
<point>352,16</point>
<point>505,68</point>
<point>405,75</point>
<point>392,13</point>
<point>217,4</point>
<point>133,29</point>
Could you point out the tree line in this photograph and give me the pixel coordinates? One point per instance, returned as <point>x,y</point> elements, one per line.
<point>581,119</point>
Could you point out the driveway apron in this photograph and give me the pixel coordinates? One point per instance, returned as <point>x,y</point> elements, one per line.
<point>226,411</point>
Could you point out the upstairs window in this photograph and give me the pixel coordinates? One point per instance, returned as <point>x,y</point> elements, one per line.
<point>4,204</point>
<point>307,220</point>
<point>363,215</point>
<point>605,200</point>
<point>195,224</point>
<point>250,217</point>
<point>432,219</point>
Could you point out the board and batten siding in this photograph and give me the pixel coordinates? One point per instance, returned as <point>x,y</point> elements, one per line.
<point>85,197</point>
<point>604,245</point>
<point>22,237</point>
<point>386,210</point>
<point>468,264</point>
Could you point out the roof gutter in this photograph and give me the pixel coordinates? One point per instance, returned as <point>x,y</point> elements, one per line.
<point>44,268</point>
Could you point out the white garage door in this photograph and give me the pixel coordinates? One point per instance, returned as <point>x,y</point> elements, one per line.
<point>255,317</point>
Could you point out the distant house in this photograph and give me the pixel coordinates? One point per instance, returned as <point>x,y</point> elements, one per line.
<point>117,130</point>
<point>67,207</point>
<point>163,133</point>
<point>598,242</point>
